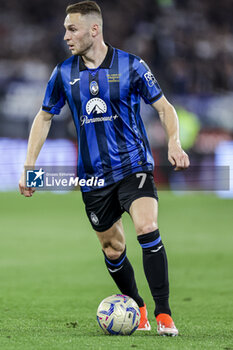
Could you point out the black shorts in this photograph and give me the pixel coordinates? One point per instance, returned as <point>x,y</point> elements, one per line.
<point>105,206</point>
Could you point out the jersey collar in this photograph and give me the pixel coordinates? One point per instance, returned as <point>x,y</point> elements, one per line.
<point>107,62</point>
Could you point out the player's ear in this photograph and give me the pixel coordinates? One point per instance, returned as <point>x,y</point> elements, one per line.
<point>94,30</point>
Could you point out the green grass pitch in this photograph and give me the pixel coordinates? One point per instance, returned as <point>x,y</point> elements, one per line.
<point>52,274</point>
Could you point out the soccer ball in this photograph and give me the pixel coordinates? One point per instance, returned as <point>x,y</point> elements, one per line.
<point>118,315</point>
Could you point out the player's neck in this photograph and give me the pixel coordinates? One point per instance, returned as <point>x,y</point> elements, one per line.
<point>96,55</point>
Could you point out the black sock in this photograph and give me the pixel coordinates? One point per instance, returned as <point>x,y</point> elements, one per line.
<point>122,272</point>
<point>156,270</point>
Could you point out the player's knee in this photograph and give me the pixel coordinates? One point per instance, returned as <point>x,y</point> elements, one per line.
<point>146,227</point>
<point>113,252</point>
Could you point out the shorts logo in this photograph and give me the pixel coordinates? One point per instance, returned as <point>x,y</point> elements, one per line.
<point>94,219</point>
<point>35,178</point>
<point>150,78</point>
<point>96,106</point>
<point>94,88</point>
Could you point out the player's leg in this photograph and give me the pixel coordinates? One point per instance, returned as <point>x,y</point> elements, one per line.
<point>138,196</point>
<point>104,212</point>
<point>118,265</point>
<point>144,213</point>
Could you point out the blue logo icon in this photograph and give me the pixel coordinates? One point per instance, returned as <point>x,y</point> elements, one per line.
<point>94,87</point>
<point>35,178</point>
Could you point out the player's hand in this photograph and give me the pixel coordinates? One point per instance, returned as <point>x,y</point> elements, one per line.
<point>26,191</point>
<point>177,157</point>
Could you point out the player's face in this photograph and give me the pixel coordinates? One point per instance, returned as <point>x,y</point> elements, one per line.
<point>78,33</point>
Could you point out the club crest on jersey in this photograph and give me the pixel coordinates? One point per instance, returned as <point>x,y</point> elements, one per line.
<point>94,88</point>
<point>150,78</point>
<point>96,106</point>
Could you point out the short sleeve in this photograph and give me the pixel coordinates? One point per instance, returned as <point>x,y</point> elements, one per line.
<point>55,97</point>
<point>145,82</point>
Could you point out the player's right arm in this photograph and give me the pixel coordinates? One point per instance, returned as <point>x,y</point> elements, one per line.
<point>38,134</point>
<point>53,102</point>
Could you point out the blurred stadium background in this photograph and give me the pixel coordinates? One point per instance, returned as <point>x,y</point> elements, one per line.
<point>187,43</point>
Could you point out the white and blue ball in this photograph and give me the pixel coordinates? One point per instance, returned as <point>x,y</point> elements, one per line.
<point>118,315</point>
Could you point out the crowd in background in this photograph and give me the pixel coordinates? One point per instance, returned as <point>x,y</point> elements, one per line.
<point>188,43</point>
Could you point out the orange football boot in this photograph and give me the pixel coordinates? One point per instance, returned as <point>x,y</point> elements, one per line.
<point>144,324</point>
<point>165,325</point>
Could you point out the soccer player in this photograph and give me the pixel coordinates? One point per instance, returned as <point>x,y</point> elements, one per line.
<point>103,87</point>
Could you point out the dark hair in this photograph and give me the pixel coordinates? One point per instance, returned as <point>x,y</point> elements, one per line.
<point>84,8</point>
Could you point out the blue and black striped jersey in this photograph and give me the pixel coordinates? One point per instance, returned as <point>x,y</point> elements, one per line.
<point>105,105</point>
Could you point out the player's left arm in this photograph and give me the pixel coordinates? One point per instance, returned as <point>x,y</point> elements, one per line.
<point>170,122</point>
